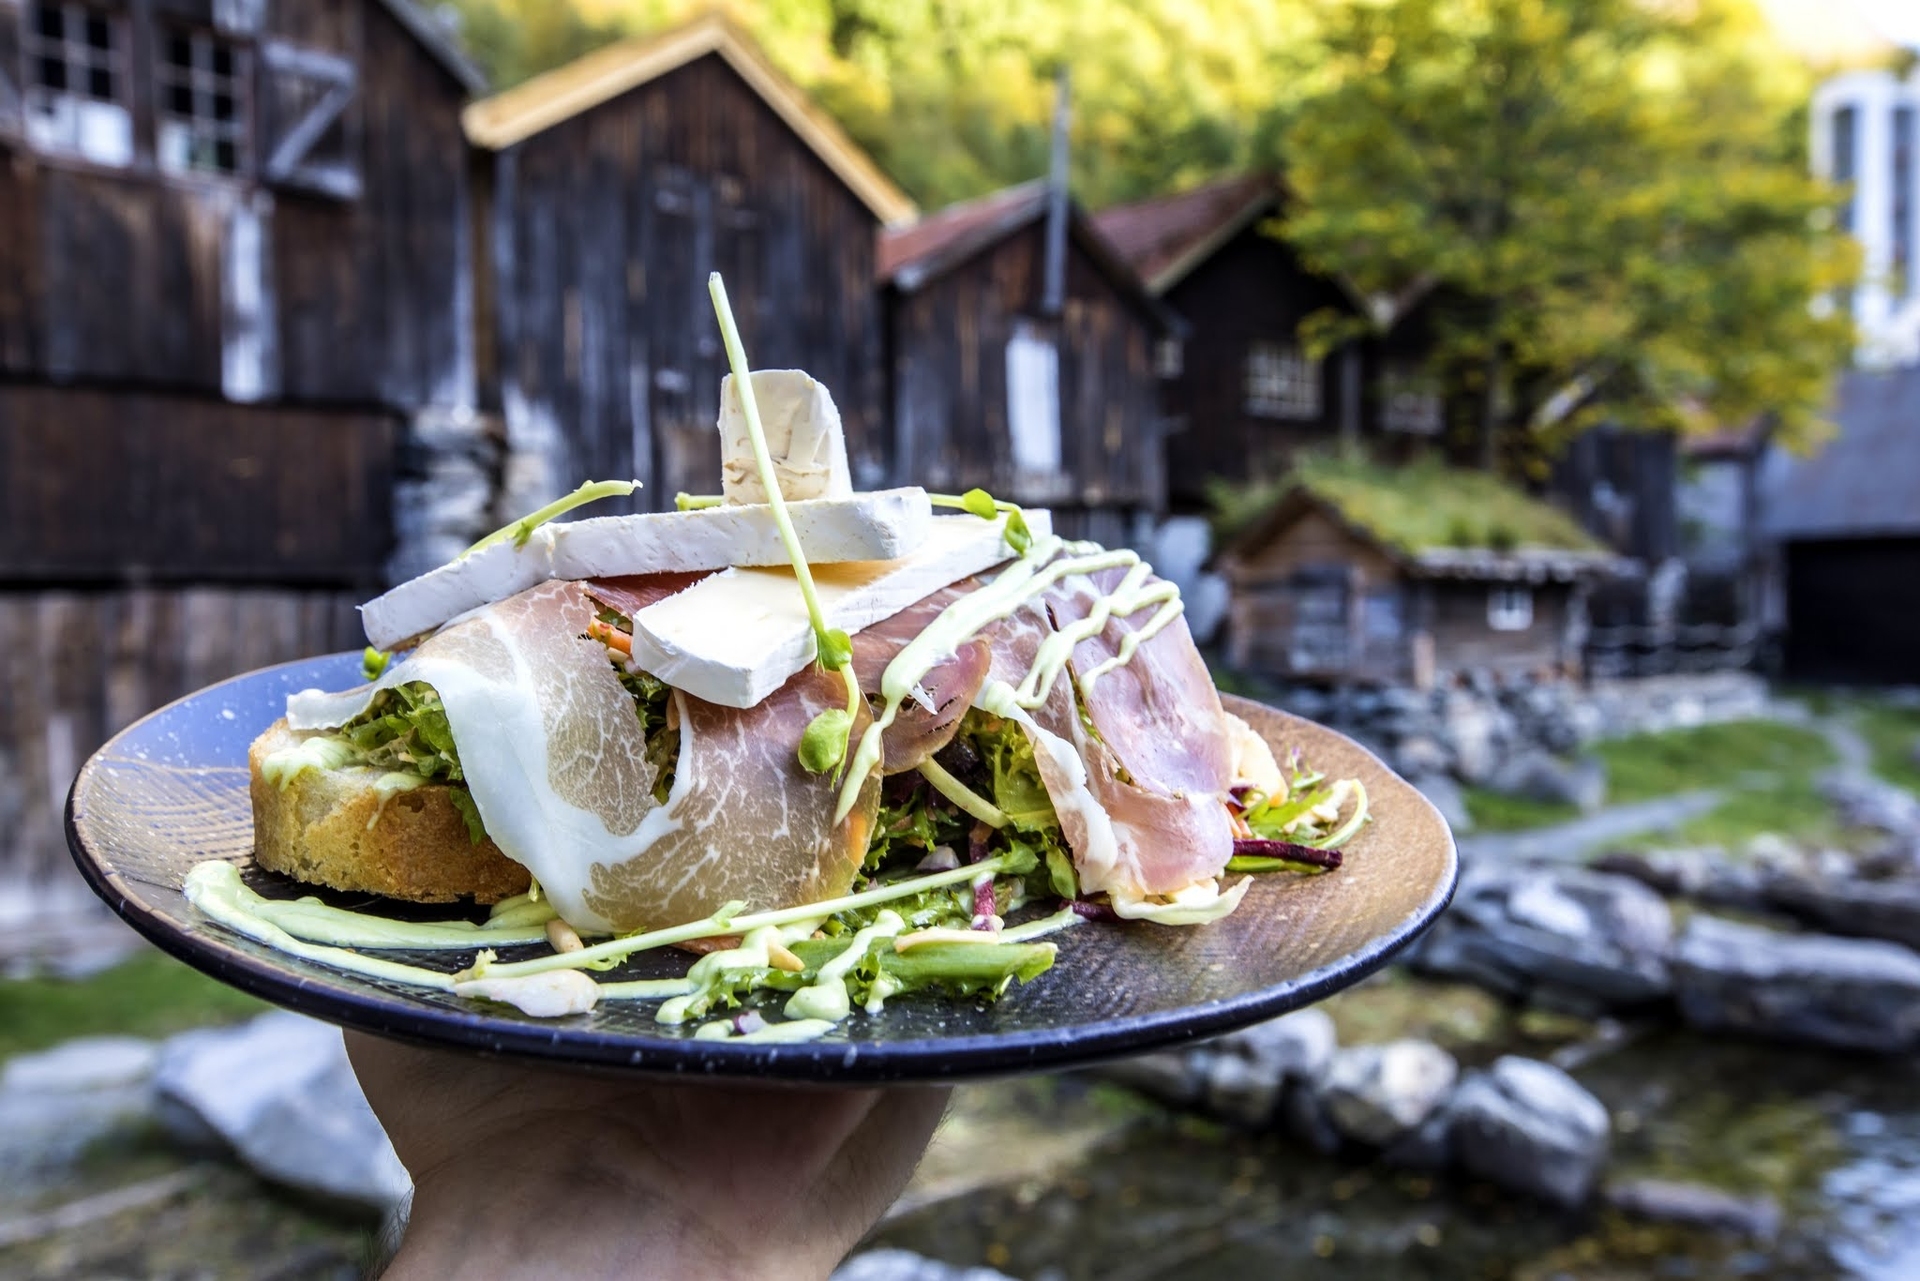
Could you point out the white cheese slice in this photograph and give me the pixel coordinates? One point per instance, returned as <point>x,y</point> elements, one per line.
<point>804,439</point>
<point>883,525</point>
<point>736,637</point>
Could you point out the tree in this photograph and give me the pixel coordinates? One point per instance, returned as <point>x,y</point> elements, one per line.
<point>1608,200</point>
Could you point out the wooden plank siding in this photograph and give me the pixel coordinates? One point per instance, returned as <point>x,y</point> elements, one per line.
<point>604,227</point>
<point>78,665</point>
<point>948,342</point>
<point>104,486</point>
<point>123,275</point>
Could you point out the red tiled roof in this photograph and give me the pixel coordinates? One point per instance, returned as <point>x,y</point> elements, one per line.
<point>1157,235</point>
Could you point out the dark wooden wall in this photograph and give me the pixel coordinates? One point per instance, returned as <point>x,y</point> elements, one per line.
<point>1853,616</point>
<point>1463,642</point>
<point>604,229</point>
<point>948,345</point>
<point>116,486</point>
<point>114,275</point>
<point>78,665</point>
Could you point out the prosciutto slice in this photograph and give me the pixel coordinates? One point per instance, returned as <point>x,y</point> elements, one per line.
<point>928,721</point>
<point>1140,794</point>
<point>556,762</point>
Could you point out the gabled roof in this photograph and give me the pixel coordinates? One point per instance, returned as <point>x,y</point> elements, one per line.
<point>1167,237</point>
<point>544,101</point>
<point>439,44</point>
<point>911,257</point>
<point>1865,482</point>
<point>1436,522</point>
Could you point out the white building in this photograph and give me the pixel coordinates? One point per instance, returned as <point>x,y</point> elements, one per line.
<point>1866,128</point>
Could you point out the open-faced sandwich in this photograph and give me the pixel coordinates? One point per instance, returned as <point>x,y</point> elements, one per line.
<point>836,736</point>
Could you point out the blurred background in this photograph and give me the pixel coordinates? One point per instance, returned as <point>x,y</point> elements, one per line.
<point>1529,387</point>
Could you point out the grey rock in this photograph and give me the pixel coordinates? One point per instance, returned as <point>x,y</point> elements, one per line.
<point>1602,936</point>
<point>1536,776</point>
<point>1376,1093</point>
<point>1845,905</point>
<point>1696,1205</point>
<point>1420,756</point>
<point>1447,798</point>
<point>56,1103</point>
<point>1294,1046</point>
<point>1242,1090</point>
<point>1530,1128</point>
<point>1303,1116</point>
<point>1861,800</point>
<point>905,1265</point>
<point>1850,993</point>
<point>1428,1146</point>
<point>280,1093</point>
<point>1170,1076</point>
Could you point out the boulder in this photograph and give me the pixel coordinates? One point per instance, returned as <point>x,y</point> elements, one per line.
<point>1586,937</point>
<point>1448,799</point>
<point>1849,993</point>
<point>1376,1093</point>
<point>1420,756</point>
<point>56,1103</point>
<point>905,1265</point>
<point>1296,1046</point>
<point>1696,1205</point>
<point>1847,905</point>
<point>1241,1090</point>
<point>1304,1116</point>
<point>1859,799</point>
<point>1536,776</point>
<point>1169,1076</point>
<point>1530,1128</point>
<point>278,1091</point>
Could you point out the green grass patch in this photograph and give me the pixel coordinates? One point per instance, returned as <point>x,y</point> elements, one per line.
<point>1893,733</point>
<point>1767,768</point>
<point>1492,812</point>
<point>152,995</point>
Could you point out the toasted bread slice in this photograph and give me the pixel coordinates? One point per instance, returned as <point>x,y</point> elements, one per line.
<point>329,827</point>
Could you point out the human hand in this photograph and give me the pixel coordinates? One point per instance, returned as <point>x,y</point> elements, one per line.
<point>530,1172</point>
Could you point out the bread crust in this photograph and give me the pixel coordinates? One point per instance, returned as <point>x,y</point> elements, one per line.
<point>328,827</point>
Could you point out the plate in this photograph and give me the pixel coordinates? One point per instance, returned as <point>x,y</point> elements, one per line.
<point>171,790</point>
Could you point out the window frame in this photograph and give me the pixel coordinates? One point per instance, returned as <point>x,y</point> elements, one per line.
<point>1404,382</point>
<point>1033,388</point>
<point>244,128</point>
<point>1510,607</point>
<point>1279,380</point>
<point>35,94</point>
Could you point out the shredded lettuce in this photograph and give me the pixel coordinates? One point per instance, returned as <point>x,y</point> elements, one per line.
<point>405,729</point>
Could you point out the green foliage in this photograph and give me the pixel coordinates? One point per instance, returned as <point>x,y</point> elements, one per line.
<point>150,995</point>
<point>1421,506</point>
<point>1608,198</point>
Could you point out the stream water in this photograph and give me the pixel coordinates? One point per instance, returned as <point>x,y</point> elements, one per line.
<point>1834,1140</point>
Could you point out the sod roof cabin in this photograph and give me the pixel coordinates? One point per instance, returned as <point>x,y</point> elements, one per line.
<point>1353,572</point>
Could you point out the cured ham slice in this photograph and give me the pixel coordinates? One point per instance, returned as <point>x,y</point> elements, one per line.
<point>926,722</point>
<point>556,762</point>
<point>1142,821</point>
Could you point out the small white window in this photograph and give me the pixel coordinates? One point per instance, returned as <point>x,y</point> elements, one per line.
<point>1033,400</point>
<point>1409,401</point>
<point>201,125</point>
<point>1169,358</point>
<point>1282,382</point>
<point>1510,609</point>
<point>77,84</point>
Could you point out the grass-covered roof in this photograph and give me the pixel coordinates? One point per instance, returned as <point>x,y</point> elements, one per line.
<point>1417,508</point>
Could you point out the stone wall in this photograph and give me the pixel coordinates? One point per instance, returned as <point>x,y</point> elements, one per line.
<point>1474,729</point>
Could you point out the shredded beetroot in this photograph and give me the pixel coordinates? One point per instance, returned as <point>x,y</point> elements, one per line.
<point>1093,911</point>
<point>983,904</point>
<point>1328,859</point>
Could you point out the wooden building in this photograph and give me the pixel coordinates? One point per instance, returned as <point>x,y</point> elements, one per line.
<point>233,279</point>
<point>1248,396</point>
<point>1843,528</point>
<point>1361,574</point>
<point>612,186</point>
<point>1029,375</point>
